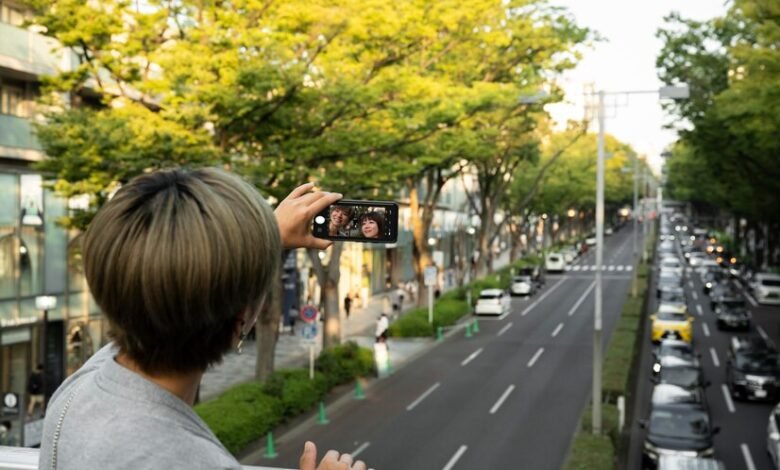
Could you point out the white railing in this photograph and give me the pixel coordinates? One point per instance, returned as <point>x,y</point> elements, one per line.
<point>22,458</point>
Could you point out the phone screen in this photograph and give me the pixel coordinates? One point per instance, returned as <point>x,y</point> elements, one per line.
<point>358,221</point>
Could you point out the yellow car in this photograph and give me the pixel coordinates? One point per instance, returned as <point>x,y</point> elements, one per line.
<point>673,322</point>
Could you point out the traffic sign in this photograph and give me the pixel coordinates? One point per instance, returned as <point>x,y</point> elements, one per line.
<point>10,404</point>
<point>309,313</point>
<point>430,276</point>
<point>309,331</point>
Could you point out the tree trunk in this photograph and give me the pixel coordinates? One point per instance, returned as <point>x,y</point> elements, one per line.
<point>421,222</point>
<point>328,276</point>
<point>267,332</point>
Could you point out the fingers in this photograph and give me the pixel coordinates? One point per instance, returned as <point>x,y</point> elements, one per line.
<point>308,460</point>
<point>347,459</point>
<point>300,190</point>
<point>317,243</point>
<point>320,204</point>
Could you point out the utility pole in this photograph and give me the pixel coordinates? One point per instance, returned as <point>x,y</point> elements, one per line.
<point>635,214</point>
<point>597,327</point>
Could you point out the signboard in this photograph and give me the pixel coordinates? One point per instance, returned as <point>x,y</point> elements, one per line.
<point>438,258</point>
<point>430,276</point>
<point>10,404</point>
<point>309,313</point>
<point>309,331</point>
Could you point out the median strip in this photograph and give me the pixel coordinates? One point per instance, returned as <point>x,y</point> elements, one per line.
<point>536,357</point>
<point>423,396</point>
<point>471,357</point>
<point>455,458</point>
<point>502,399</point>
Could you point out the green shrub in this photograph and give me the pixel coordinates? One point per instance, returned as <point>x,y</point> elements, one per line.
<point>241,415</point>
<point>341,364</point>
<point>296,390</point>
<point>594,452</point>
<point>413,324</point>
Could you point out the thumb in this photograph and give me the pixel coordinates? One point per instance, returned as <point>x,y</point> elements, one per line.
<point>308,459</point>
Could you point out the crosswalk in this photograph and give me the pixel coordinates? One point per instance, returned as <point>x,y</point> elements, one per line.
<point>606,267</point>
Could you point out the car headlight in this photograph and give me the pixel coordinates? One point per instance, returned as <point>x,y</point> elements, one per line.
<point>709,285</point>
<point>656,367</point>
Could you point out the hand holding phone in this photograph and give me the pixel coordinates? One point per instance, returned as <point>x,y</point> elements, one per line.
<point>358,221</point>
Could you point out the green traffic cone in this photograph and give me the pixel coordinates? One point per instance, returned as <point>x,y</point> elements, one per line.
<point>476,326</point>
<point>389,366</point>
<point>359,395</point>
<point>270,451</point>
<point>468,330</point>
<point>322,418</point>
<point>439,333</point>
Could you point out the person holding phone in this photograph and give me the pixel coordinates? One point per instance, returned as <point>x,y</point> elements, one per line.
<point>340,221</point>
<point>181,262</point>
<point>372,224</point>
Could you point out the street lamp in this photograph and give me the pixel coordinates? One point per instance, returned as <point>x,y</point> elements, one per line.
<point>674,92</point>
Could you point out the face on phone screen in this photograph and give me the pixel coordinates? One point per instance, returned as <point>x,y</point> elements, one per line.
<point>358,221</point>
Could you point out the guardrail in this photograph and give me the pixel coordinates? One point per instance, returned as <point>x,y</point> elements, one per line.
<point>23,458</point>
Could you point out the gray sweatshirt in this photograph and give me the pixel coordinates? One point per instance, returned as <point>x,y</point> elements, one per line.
<point>112,418</point>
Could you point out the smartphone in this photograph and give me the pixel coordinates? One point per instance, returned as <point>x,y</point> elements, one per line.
<point>358,221</point>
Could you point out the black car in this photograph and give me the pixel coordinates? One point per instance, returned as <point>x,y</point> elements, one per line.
<point>677,428</point>
<point>752,369</point>
<point>674,348</point>
<point>712,278</point>
<point>676,371</point>
<point>733,315</point>
<point>536,273</point>
<point>668,281</point>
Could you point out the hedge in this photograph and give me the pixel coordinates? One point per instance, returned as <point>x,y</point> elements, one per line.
<point>245,413</point>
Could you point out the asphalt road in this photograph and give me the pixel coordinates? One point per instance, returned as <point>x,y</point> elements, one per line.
<point>509,397</point>
<point>741,443</point>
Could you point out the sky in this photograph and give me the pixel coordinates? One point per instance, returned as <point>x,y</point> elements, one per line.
<point>623,61</point>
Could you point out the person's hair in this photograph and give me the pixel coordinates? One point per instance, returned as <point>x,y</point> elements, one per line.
<point>376,217</point>
<point>345,209</point>
<point>174,258</point>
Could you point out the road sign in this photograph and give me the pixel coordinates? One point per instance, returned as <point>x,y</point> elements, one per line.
<point>430,276</point>
<point>309,331</point>
<point>309,313</point>
<point>10,404</point>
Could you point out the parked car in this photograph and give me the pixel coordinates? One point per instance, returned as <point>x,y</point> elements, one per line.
<point>673,295</point>
<point>673,325</point>
<point>732,315</point>
<point>522,285</point>
<point>695,258</point>
<point>727,294</point>
<point>752,369</point>
<point>671,264</point>
<point>535,272</point>
<point>766,288</point>
<point>492,302</point>
<point>773,436</point>
<point>679,462</point>
<point>555,263</point>
<point>679,372</point>
<point>712,278</point>
<point>591,240</point>
<point>678,429</point>
<point>666,247</point>
<point>569,254</point>
<point>667,280</point>
<point>674,348</point>
<point>668,394</point>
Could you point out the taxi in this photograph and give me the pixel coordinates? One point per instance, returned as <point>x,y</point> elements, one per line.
<point>672,321</point>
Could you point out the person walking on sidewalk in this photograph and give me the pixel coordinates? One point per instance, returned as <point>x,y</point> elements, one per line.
<point>35,390</point>
<point>382,326</point>
<point>347,304</point>
<point>181,263</point>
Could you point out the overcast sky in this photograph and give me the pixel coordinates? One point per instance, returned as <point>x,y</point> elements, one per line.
<point>625,60</point>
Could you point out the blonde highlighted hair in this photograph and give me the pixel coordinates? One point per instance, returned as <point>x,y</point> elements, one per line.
<point>174,258</point>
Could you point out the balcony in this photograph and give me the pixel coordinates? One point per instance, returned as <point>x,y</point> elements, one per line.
<point>22,458</point>
<point>17,139</point>
<point>30,53</point>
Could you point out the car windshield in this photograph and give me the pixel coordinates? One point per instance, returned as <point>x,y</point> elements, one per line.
<point>771,282</point>
<point>683,376</point>
<point>522,279</point>
<point>554,259</point>
<point>682,351</point>
<point>735,304</point>
<point>680,423</point>
<point>675,296</point>
<point>757,363</point>
<point>671,316</point>
<point>669,280</point>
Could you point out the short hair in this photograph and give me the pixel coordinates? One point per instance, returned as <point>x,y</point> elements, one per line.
<point>173,259</point>
<point>376,217</point>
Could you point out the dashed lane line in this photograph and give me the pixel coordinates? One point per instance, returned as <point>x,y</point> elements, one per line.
<point>471,357</point>
<point>714,355</point>
<point>455,458</point>
<point>503,330</point>
<point>706,329</point>
<point>544,296</point>
<point>582,298</point>
<point>536,357</point>
<point>747,456</point>
<point>557,330</point>
<point>502,399</point>
<point>727,397</point>
<point>360,449</point>
<point>423,396</point>
<point>699,310</point>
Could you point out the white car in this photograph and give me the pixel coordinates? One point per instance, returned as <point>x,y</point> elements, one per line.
<point>492,302</point>
<point>766,288</point>
<point>773,436</point>
<point>695,259</point>
<point>608,231</point>
<point>522,285</point>
<point>555,263</point>
<point>591,240</point>
<point>672,264</point>
<point>569,255</point>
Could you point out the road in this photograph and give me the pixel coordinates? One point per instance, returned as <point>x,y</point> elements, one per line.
<point>741,443</point>
<point>509,397</point>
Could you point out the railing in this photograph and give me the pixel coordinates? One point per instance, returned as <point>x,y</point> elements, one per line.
<point>29,52</point>
<point>22,458</point>
<point>17,132</point>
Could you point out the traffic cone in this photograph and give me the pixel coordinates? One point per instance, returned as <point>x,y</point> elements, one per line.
<point>439,333</point>
<point>359,395</point>
<point>389,366</point>
<point>270,451</point>
<point>468,330</point>
<point>322,418</point>
<point>476,326</point>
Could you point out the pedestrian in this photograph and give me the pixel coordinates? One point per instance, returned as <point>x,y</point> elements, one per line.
<point>181,263</point>
<point>293,319</point>
<point>347,304</point>
<point>35,392</point>
<point>382,326</point>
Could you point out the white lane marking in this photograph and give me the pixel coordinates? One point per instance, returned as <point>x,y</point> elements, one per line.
<point>567,268</point>
<point>557,330</point>
<point>360,449</point>
<point>536,302</point>
<point>714,355</point>
<point>748,458</point>
<point>582,299</point>
<point>629,268</point>
<point>690,284</point>
<point>762,333</point>
<point>695,295</point>
<point>750,299</point>
<point>593,267</point>
<point>423,396</point>
<point>611,267</point>
<point>471,357</point>
<point>620,268</point>
<point>706,329</point>
<point>699,310</point>
<point>536,357</point>
<point>501,400</point>
<point>455,458</point>
<point>576,268</point>
<point>503,330</point>
<point>727,396</point>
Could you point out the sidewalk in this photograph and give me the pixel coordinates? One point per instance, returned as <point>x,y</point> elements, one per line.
<point>293,350</point>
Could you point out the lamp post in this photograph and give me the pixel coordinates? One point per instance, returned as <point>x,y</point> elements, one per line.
<point>675,92</point>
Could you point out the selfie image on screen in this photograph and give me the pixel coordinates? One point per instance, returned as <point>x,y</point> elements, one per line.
<point>357,222</point>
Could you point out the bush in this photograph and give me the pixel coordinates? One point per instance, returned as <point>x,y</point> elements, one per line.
<point>296,390</point>
<point>241,415</point>
<point>413,324</point>
<point>594,452</point>
<point>344,363</point>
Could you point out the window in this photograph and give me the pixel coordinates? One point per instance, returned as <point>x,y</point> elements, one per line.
<point>12,101</point>
<point>11,14</point>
